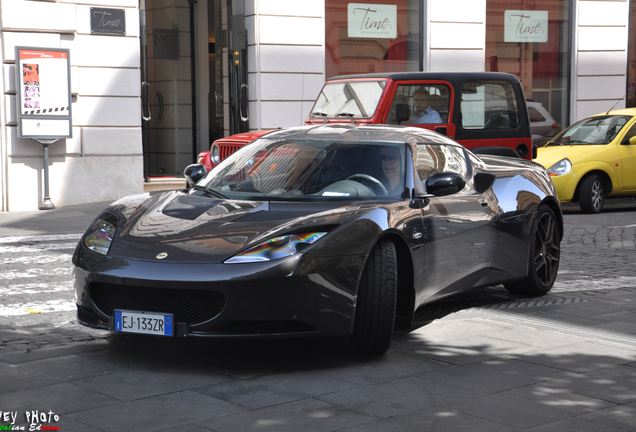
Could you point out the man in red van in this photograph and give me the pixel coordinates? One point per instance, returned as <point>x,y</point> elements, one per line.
<point>423,112</point>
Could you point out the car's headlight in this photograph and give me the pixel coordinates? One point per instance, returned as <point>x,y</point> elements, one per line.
<point>562,167</point>
<point>100,235</point>
<point>214,154</point>
<point>276,248</point>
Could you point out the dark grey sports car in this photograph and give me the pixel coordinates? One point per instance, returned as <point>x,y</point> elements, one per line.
<point>331,230</point>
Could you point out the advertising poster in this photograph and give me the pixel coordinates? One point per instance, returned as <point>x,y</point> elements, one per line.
<point>44,96</point>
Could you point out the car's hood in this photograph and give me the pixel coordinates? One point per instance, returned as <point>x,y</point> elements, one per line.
<point>548,156</point>
<point>201,229</point>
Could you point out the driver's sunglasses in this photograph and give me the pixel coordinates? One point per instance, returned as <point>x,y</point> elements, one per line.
<point>391,158</point>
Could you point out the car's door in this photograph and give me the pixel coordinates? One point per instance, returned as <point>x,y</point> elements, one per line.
<point>628,160</point>
<point>460,230</point>
<point>430,103</point>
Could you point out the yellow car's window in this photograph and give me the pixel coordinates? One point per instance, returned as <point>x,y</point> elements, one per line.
<point>592,131</point>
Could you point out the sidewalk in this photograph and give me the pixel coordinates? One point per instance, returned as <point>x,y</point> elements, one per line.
<point>62,220</point>
<point>71,219</point>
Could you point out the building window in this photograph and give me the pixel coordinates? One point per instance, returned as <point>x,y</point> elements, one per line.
<point>374,36</point>
<point>531,40</point>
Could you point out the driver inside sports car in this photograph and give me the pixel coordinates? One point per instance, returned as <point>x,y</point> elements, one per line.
<point>391,160</point>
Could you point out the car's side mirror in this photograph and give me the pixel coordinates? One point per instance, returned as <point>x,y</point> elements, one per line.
<point>193,173</point>
<point>483,181</point>
<point>632,140</point>
<point>402,112</point>
<point>446,183</point>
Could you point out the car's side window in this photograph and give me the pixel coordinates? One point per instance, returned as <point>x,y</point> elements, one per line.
<point>428,103</point>
<point>435,158</point>
<point>489,104</point>
<point>630,133</point>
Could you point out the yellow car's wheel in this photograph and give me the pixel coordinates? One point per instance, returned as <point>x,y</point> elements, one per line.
<point>592,194</point>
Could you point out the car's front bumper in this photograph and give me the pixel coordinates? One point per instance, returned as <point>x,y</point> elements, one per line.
<point>300,295</point>
<point>565,186</point>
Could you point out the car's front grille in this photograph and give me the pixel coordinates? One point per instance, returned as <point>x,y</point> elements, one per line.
<point>227,149</point>
<point>187,305</point>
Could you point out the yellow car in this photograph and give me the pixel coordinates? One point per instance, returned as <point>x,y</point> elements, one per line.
<point>593,159</point>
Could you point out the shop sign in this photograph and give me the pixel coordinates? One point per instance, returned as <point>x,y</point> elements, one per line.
<point>43,93</point>
<point>372,20</point>
<point>108,21</point>
<point>525,26</point>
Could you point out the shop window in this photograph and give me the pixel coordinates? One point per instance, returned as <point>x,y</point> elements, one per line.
<point>532,41</point>
<point>374,36</point>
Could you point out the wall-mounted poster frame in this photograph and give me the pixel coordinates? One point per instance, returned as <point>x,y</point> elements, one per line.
<point>43,93</point>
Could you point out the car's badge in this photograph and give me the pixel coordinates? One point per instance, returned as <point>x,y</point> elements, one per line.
<point>162,255</point>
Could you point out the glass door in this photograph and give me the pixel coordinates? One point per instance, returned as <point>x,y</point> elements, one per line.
<point>168,102</point>
<point>237,68</point>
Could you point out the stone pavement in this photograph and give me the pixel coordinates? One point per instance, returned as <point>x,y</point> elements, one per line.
<point>489,362</point>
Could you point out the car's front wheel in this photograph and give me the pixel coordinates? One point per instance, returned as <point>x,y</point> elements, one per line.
<point>375,306</point>
<point>545,252</point>
<point>592,194</point>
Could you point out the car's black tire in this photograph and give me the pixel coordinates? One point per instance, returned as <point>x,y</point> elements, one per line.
<point>376,302</point>
<point>545,252</point>
<point>592,194</point>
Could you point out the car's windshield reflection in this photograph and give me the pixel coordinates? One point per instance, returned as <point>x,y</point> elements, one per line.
<point>314,170</point>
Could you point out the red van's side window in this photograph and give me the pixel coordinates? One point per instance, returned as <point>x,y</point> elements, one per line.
<point>428,103</point>
<point>489,105</point>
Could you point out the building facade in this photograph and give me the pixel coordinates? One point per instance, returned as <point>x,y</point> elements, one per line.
<point>179,74</point>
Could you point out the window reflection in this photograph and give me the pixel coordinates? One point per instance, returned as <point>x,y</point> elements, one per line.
<point>359,53</point>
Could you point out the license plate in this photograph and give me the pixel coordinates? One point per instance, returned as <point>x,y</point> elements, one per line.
<point>143,322</point>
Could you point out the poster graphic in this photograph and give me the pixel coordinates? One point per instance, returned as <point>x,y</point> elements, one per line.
<point>44,94</point>
<point>31,79</point>
<point>44,86</point>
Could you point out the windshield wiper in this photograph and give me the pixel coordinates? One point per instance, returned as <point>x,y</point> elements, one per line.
<point>568,142</point>
<point>209,192</point>
<point>343,114</point>
<point>322,114</point>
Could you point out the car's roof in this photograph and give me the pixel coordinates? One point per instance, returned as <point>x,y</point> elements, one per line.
<point>361,133</point>
<point>405,76</point>
<point>623,111</point>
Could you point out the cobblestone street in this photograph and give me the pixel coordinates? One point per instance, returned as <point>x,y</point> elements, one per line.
<point>490,361</point>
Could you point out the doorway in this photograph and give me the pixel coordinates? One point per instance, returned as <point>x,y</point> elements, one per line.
<point>190,95</point>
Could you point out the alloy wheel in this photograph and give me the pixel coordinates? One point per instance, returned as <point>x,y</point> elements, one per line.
<point>547,249</point>
<point>597,194</point>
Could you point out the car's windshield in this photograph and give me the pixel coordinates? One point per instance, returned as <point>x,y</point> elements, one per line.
<point>319,170</point>
<point>591,131</point>
<point>359,99</point>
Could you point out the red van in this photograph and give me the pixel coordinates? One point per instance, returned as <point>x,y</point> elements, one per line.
<point>484,111</point>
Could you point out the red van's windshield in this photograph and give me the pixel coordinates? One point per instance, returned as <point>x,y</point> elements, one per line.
<point>357,99</point>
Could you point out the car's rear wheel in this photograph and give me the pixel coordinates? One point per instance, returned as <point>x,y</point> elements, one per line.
<point>545,251</point>
<point>375,306</point>
<point>592,194</point>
